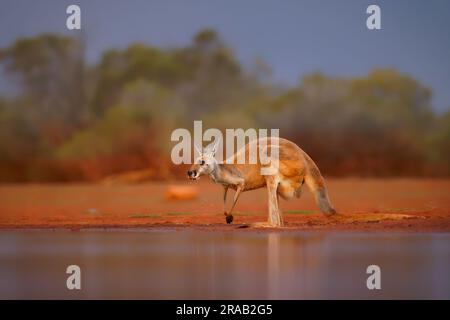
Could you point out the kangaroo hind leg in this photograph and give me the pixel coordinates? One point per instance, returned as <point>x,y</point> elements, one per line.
<point>275,219</point>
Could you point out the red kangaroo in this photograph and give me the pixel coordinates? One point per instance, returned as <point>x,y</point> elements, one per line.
<point>294,169</point>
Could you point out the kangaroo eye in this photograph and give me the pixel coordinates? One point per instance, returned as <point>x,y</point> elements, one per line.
<point>202,162</point>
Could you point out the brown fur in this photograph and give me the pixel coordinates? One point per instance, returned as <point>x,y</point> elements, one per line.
<point>295,168</point>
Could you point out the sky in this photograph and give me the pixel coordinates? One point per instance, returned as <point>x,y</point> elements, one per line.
<point>294,37</point>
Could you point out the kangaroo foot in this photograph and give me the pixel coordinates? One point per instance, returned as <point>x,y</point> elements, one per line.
<point>229,218</point>
<point>262,225</point>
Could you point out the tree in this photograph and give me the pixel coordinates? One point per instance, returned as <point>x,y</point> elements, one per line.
<point>133,134</point>
<point>50,70</point>
<point>117,68</point>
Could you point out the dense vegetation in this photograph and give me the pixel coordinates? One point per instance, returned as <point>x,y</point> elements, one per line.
<point>74,121</point>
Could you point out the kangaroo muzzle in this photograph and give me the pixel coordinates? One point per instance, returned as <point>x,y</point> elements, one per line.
<point>192,174</point>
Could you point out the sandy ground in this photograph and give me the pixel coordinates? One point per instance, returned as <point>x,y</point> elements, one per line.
<point>406,205</point>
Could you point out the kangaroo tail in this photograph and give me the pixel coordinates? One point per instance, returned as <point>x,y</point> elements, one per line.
<point>316,185</point>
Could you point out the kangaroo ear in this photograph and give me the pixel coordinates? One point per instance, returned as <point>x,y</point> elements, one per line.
<point>198,150</point>
<point>215,146</point>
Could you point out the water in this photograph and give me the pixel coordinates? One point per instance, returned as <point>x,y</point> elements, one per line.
<point>124,264</point>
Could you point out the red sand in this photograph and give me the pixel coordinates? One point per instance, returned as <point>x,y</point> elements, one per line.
<point>364,205</point>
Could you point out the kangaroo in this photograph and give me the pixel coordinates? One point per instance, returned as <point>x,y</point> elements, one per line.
<point>295,168</point>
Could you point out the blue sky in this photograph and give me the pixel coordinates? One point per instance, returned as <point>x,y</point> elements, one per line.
<point>293,37</point>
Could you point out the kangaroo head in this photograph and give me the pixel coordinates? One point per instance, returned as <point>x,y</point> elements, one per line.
<point>205,163</point>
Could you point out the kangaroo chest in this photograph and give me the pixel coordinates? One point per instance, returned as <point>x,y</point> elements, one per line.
<point>218,180</point>
<point>227,178</point>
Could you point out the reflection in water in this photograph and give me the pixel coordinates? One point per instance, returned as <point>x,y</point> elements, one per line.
<point>273,263</point>
<point>222,265</point>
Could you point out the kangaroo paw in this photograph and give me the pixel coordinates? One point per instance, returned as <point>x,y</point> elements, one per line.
<point>229,218</point>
